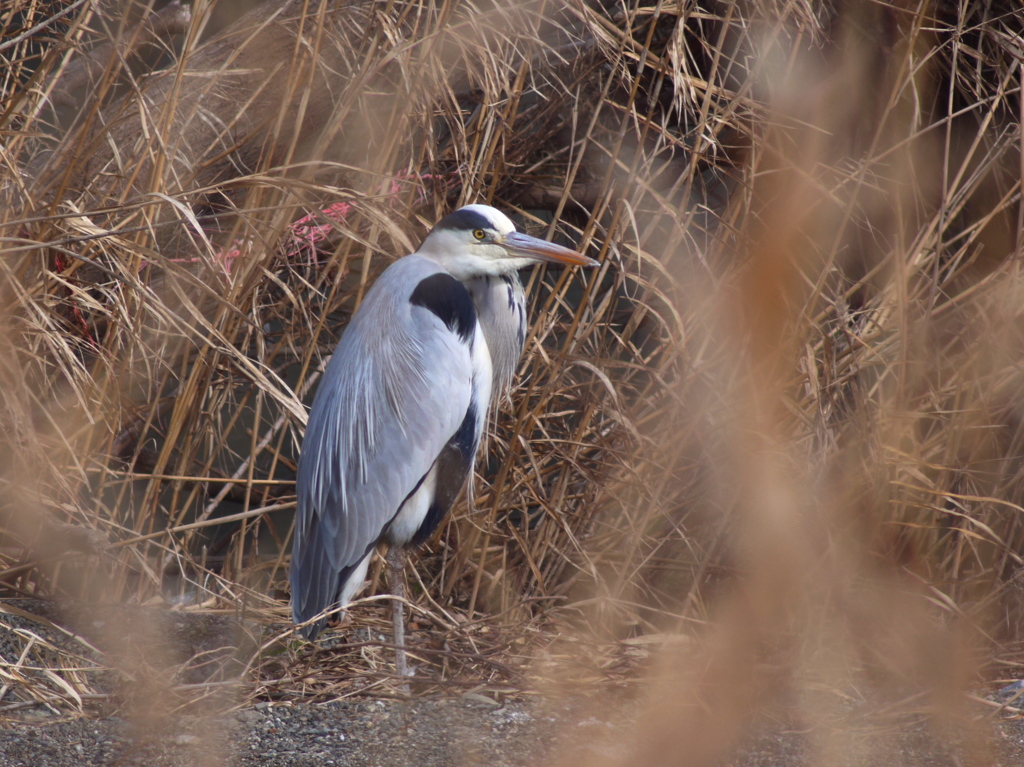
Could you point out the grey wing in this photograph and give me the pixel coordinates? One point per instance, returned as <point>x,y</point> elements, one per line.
<point>395,391</point>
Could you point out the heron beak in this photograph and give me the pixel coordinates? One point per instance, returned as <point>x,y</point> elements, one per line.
<point>525,246</point>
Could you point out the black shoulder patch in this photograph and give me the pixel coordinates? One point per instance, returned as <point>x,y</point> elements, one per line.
<point>464,220</point>
<point>448,298</point>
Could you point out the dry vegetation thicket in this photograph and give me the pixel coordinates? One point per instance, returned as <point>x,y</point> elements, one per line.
<point>780,428</point>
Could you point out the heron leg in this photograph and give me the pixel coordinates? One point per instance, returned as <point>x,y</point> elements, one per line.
<point>395,559</point>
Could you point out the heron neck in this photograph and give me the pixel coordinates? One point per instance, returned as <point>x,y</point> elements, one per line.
<point>501,311</point>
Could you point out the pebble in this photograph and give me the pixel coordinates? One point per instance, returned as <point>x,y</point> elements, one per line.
<point>475,697</point>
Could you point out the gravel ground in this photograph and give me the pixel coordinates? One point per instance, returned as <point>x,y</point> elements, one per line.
<point>427,733</point>
<point>466,731</point>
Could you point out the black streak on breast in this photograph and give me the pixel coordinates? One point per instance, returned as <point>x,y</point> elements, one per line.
<point>448,298</point>
<point>511,291</point>
<point>453,466</point>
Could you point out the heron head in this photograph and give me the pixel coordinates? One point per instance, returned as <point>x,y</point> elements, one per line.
<point>479,240</point>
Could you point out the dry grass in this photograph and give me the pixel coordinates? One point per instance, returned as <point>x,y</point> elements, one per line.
<point>784,417</point>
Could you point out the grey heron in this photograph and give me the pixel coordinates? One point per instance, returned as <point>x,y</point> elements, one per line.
<point>398,417</point>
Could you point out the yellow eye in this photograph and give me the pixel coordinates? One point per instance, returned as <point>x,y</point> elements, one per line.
<point>479,233</point>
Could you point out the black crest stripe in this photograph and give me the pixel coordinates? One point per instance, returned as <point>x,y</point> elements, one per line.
<point>448,298</point>
<point>465,220</point>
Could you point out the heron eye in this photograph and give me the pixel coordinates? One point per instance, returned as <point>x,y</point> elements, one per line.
<point>479,233</point>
